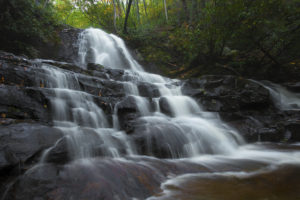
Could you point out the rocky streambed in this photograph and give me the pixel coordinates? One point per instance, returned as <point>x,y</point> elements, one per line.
<point>134,142</point>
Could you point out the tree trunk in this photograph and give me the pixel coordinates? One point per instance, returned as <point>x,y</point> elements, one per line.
<point>194,11</point>
<point>137,10</point>
<point>126,16</point>
<point>145,7</point>
<point>46,3</point>
<point>185,9</point>
<point>166,10</point>
<point>119,7</point>
<point>115,15</point>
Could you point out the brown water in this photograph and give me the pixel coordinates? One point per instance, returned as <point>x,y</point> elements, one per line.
<point>238,179</point>
<point>280,184</point>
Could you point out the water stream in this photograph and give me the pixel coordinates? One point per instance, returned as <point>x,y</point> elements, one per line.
<point>188,136</point>
<point>282,98</point>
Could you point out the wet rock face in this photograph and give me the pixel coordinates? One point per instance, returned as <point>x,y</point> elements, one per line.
<point>165,107</point>
<point>292,128</point>
<point>59,152</point>
<point>94,180</point>
<point>295,87</point>
<point>26,128</point>
<point>65,49</point>
<point>97,179</point>
<point>246,106</point>
<point>26,96</point>
<point>127,112</point>
<point>24,103</point>
<point>148,90</point>
<point>22,142</point>
<point>159,139</point>
<point>227,93</point>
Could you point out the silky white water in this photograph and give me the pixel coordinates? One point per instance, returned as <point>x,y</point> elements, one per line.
<point>97,46</point>
<point>282,98</point>
<point>75,113</point>
<point>184,133</point>
<point>173,135</point>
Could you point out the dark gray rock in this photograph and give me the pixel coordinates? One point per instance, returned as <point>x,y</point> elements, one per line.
<point>294,87</point>
<point>148,90</point>
<point>96,179</point>
<point>127,112</point>
<point>23,142</point>
<point>7,159</point>
<point>165,107</point>
<point>98,87</point>
<point>66,49</point>
<point>24,103</point>
<point>227,93</point>
<point>292,128</point>
<point>271,134</point>
<point>37,181</point>
<point>93,66</point>
<point>59,152</point>
<point>160,139</point>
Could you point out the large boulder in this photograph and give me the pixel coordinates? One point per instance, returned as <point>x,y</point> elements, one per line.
<point>295,87</point>
<point>246,106</point>
<point>127,113</point>
<point>58,153</point>
<point>24,103</point>
<point>160,138</point>
<point>65,49</point>
<point>292,128</point>
<point>276,126</point>
<point>165,106</point>
<point>100,87</point>
<point>96,179</point>
<point>148,90</point>
<point>24,142</point>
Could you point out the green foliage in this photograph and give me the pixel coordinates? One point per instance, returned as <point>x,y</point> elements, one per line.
<point>23,21</point>
<point>66,13</point>
<point>180,35</point>
<point>261,32</point>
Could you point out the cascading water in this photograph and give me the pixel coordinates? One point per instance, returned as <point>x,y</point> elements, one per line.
<point>109,161</point>
<point>97,46</point>
<point>185,132</point>
<point>84,123</point>
<point>282,98</point>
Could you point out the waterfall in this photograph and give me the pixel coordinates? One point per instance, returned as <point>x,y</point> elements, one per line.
<point>282,98</point>
<point>97,46</point>
<point>75,113</point>
<point>168,144</point>
<point>185,132</point>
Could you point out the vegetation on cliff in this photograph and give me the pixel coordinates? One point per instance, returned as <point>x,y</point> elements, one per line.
<point>23,22</point>
<point>257,38</point>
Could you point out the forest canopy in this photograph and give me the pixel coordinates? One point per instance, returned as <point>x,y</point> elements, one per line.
<point>182,37</point>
